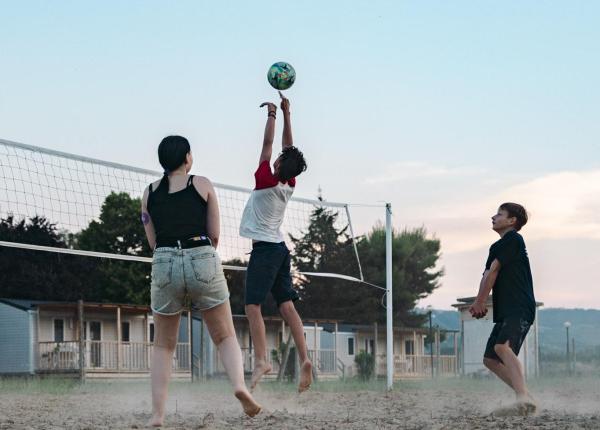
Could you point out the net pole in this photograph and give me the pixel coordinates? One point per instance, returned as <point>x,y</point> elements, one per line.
<point>389,301</point>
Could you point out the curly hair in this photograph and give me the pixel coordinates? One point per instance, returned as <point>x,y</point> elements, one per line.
<point>291,163</point>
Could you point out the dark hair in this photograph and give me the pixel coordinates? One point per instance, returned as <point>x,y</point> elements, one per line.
<point>291,163</point>
<point>517,211</point>
<point>172,152</point>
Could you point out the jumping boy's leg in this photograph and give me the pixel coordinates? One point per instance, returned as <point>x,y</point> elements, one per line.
<point>259,342</point>
<point>291,317</point>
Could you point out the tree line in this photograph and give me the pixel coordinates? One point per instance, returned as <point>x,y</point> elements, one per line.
<point>36,275</point>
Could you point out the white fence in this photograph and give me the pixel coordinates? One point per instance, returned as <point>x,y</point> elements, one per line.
<point>110,356</point>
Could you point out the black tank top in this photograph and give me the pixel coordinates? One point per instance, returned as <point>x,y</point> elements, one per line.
<point>179,215</point>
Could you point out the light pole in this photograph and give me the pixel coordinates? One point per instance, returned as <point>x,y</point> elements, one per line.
<point>430,312</point>
<point>567,324</point>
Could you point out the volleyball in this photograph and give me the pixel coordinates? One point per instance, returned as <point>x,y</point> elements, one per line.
<point>281,75</point>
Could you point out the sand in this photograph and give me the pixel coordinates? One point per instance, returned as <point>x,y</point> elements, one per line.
<point>448,404</point>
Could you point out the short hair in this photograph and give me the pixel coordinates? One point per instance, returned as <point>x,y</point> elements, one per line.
<point>517,211</point>
<point>291,163</point>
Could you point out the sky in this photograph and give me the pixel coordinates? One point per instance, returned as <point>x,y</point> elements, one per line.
<point>443,109</point>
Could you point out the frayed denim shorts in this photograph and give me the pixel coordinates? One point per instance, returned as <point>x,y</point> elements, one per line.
<point>193,274</point>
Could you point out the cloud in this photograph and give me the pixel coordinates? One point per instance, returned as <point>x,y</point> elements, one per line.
<point>407,170</point>
<point>562,205</point>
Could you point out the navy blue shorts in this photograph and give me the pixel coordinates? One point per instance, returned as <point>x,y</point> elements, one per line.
<point>513,330</point>
<point>269,271</point>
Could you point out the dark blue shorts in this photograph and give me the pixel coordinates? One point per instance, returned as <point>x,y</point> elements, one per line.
<point>269,271</point>
<point>512,329</point>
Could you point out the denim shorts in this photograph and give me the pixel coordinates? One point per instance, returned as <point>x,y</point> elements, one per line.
<point>193,274</point>
<point>269,271</point>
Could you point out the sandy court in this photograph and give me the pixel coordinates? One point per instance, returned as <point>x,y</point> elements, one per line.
<point>457,404</point>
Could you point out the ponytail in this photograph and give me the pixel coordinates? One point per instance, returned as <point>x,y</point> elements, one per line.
<point>172,153</point>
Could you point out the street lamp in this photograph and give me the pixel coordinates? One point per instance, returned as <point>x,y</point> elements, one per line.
<point>567,324</point>
<point>430,312</point>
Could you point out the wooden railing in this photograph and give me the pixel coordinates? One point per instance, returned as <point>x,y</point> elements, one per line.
<point>106,356</point>
<point>325,361</point>
<point>58,355</point>
<point>420,365</point>
<point>248,359</point>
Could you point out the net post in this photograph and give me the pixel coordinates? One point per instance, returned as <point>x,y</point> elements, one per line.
<point>389,301</point>
<point>81,341</point>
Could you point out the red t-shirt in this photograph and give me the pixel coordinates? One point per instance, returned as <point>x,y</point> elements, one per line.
<point>266,179</point>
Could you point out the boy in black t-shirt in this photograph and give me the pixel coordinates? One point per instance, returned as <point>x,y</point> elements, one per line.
<point>508,273</point>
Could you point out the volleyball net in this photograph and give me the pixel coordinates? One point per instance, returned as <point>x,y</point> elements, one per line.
<point>72,192</point>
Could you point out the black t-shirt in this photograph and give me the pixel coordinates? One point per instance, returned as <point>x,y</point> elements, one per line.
<point>513,291</point>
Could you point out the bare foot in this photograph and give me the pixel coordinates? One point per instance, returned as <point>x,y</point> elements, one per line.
<point>513,410</point>
<point>305,376</point>
<point>156,421</point>
<point>251,408</point>
<point>260,369</point>
<point>527,404</point>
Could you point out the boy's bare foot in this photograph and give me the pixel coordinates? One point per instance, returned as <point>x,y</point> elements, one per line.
<point>156,421</point>
<point>260,369</point>
<point>305,376</point>
<point>251,408</point>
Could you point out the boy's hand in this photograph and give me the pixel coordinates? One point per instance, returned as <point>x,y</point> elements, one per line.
<point>271,107</point>
<point>285,103</point>
<point>478,310</point>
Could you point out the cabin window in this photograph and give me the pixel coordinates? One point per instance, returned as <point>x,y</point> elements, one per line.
<point>151,332</point>
<point>350,346</point>
<point>409,347</point>
<point>59,330</point>
<point>125,331</point>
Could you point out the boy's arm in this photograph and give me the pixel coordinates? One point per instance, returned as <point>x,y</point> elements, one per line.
<point>286,140</point>
<point>267,146</point>
<point>479,309</point>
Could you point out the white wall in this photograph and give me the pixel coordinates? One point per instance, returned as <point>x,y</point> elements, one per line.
<point>46,323</point>
<point>108,323</point>
<point>309,332</point>
<point>475,335</point>
<point>342,348</point>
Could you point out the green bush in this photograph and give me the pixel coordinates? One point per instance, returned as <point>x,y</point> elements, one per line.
<point>277,357</point>
<point>365,365</point>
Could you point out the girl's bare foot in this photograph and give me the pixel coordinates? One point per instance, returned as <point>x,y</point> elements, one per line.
<point>305,376</point>
<point>528,404</point>
<point>156,420</point>
<point>251,408</point>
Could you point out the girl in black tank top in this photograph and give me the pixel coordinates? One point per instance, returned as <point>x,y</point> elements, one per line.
<point>179,215</point>
<point>187,275</point>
